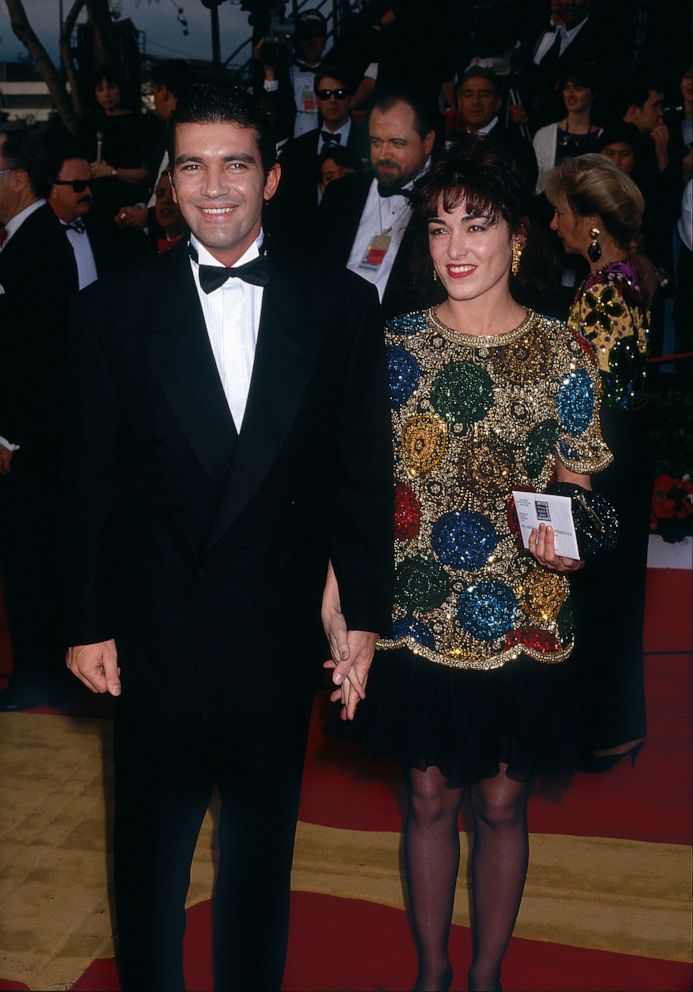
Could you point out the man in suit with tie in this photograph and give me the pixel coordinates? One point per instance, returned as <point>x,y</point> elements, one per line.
<point>364,221</point>
<point>292,215</point>
<point>95,246</point>
<point>228,435</point>
<point>37,279</point>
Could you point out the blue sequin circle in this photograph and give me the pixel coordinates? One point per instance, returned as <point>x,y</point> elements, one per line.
<point>576,401</point>
<point>409,626</point>
<point>487,610</point>
<point>463,539</point>
<point>408,323</point>
<point>404,374</point>
<point>570,453</point>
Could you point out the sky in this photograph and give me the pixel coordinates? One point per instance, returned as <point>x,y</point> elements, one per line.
<point>157,18</point>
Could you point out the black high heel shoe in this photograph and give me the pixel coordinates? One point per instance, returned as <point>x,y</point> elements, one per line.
<point>598,763</point>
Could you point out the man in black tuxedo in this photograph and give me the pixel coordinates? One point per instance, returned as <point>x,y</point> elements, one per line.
<point>364,222</point>
<point>37,279</point>
<point>95,246</point>
<point>292,215</point>
<point>208,484</point>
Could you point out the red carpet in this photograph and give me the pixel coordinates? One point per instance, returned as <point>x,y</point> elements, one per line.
<point>364,946</point>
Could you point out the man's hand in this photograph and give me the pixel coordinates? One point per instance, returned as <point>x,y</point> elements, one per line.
<point>96,665</point>
<point>541,544</point>
<point>660,136</point>
<point>134,217</point>
<point>5,460</point>
<point>351,674</point>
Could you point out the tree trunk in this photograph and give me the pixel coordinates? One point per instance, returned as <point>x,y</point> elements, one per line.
<point>66,56</point>
<point>25,33</point>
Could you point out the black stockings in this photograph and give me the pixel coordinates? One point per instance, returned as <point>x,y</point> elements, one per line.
<point>498,868</point>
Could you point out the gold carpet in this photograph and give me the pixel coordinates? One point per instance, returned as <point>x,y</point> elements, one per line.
<point>592,892</point>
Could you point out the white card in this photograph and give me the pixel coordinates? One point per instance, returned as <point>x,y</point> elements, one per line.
<point>540,508</point>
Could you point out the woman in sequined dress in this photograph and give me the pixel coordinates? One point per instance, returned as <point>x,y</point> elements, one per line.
<point>598,214</point>
<point>473,690</point>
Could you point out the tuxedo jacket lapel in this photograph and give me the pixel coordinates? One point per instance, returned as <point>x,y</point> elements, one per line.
<point>284,359</point>
<point>181,356</point>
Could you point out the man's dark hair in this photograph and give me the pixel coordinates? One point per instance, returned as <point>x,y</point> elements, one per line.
<point>24,150</point>
<point>637,90</point>
<point>175,74</point>
<point>337,72</point>
<point>424,114</point>
<point>483,73</point>
<point>222,103</point>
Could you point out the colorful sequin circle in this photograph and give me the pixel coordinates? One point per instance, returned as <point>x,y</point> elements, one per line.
<point>487,610</point>
<point>462,392</point>
<point>420,584</point>
<point>463,539</point>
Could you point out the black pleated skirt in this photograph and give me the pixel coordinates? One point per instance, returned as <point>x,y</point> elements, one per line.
<point>467,722</point>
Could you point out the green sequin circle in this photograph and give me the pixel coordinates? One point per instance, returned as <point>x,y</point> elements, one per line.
<point>566,625</point>
<point>540,441</point>
<point>420,584</point>
<point>462,393</point>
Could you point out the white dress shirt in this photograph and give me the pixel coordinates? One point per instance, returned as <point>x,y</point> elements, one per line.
<point>381,215</point>
<point>232,317</point>
<point>13,225</point>
<point>84,256</point>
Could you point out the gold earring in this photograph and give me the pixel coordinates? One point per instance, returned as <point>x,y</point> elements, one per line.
<point>516,256</point>
<point>594,249</point>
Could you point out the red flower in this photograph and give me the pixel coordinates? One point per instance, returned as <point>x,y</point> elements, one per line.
<point>407,513</point>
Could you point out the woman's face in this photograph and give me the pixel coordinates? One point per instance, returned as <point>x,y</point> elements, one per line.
<point>108,95</point>
<point>687,85</point>
<point>471,255</point>
<point>576,98</point>
<point>621,154</point>
<point>572,229</point>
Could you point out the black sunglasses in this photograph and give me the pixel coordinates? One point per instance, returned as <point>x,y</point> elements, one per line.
<point>340,94</point>
<point>78,185</point>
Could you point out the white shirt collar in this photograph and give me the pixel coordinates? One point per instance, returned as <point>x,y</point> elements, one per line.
<point>204,257</point>
<point>16,222</point>
<point>487,127</point>
<point>568,35</point>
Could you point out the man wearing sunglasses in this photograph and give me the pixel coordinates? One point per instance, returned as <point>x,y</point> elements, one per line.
<point>293,213</point>
<point>95,246</point>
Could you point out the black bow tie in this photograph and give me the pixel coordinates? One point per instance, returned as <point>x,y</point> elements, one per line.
<point>387,191</point>
<point>255,272</point>
<point>76,225</point>
<point>329,138</point>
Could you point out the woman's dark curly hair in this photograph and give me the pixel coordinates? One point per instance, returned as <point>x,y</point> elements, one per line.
<point>482,175</point>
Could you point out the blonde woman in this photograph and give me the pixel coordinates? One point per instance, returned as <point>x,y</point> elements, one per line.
<point>598,215</point>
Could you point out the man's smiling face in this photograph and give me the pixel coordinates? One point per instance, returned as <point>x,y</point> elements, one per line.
<point>220,185</point>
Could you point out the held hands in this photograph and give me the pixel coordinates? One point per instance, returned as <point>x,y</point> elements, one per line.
<point>541,545</point>
<point>96,665</point>
<point>350,673</point>
<point>352,651</point>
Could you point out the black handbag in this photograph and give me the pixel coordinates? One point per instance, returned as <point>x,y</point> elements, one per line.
<point>594,517</point>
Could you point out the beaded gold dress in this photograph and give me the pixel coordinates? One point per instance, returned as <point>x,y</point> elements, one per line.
<point>471,674</point>
<point>474,418</point>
